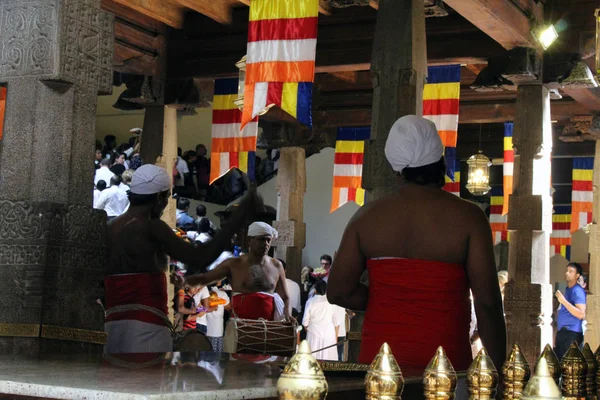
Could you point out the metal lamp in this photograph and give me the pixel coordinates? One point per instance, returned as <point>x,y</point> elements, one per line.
<point>478,182</point>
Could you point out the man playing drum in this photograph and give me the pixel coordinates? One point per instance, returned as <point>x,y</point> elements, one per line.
<point>258,281</point>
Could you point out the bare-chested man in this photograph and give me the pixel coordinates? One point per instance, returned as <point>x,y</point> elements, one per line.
<point>138,245</point>
<point>420,231</point>
<point>258,281</point>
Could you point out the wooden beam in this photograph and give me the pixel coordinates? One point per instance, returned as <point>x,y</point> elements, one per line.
<point>161,10</point>
<point>475,68</point>
<point>325,7</point>
<point>348,76</point>
<point>588,98</point>
<point>503,20</point>
<point>217,10</point>
<point>374,4</point>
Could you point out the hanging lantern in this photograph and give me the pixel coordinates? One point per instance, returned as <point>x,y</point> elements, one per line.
<point>478,182</point>
<point>241,65</point>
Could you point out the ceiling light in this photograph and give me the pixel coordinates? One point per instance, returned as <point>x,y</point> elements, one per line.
<point>547,36</point>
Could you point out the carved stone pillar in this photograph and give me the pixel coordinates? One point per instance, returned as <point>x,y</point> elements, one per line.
<point>398,69</point>
<point>528,297</point>
<point>592,315</point>
<point>55,58</point>
<point>291,186</point>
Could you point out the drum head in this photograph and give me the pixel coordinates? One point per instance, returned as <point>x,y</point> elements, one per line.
<point>193,341</point>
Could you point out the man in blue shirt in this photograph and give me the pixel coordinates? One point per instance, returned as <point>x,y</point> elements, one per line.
<point>571,312</point>
<point>183,219</point>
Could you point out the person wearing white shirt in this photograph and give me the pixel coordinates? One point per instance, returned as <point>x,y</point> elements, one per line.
<point>293,293</point>
<point>182,169</point>
<point>201,299</point>
<point>113,200</point>
<point>340,315</point>
<point>321,320</point>
<point>98,191</point>
<point>103,173</point>
<point>215,320</point>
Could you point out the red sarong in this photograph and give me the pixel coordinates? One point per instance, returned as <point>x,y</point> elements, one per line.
<point>253,306</point>
<point>130,289</point>
<point>416,315</point>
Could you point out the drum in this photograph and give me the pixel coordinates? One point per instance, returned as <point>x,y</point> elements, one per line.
<point>192,340</point>
<point>260,337</point>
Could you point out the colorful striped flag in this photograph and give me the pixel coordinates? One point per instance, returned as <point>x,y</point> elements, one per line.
<point>2,108</point>
<point>348,166</point>
<point>582,199</point>
<point>453,187</point>
<point>280,60</point>
<point>560,238</point>
<point>231,147</point>
<point>509,164</point>
<point>498,222</point>
<point>441,97</point>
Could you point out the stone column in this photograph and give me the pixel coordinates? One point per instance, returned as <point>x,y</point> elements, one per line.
<point>55,58</point>
<point>398,69</point>
<point>291,186</point>
<point>592,315</point>
<point>528,295</point>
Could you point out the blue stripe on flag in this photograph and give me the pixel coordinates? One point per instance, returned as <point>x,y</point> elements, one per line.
<point>226,86</point>
<point>497,191</point>
<point>450,159</point>
<point>362,133</point>
<point>562,210</point>
<point>568,253</point>
<point>443,74</point>
<point>251,165</point>
<point>583,163</point>
<point>508,129</point>
<point>304,104</point>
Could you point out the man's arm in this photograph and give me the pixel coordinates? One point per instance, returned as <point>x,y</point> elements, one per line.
<point>343,285</point>
<point>577,310</point>
<point>483,279</point>
<point>221,272</point>
<point>281,289</point>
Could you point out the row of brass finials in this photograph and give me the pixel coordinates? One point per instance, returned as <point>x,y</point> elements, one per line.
<point>577,373</point>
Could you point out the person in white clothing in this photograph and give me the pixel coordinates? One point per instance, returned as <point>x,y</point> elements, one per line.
<point>215,319</point>
<point>342,316</point>
<point>98,191</point>
<point>201,298</point>
<point>103,173</point>
<point>295,305</point>
<point>113,200</point>
<point>182,169</point>
<point>320,321</point>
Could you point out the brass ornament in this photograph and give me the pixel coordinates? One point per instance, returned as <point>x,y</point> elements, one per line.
<point>482,377</point>
<point>574,371</point>
<point>439,378</point>
<point>552,361</point>
<point>302,378</point>
<point>592,366</point>
<point>384,380</point>
<point>515,373</point>
<point>541,385</point>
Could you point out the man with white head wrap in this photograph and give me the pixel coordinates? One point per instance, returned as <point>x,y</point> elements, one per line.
<point>258,281</point>
<point>420,231</point>
<point>138,245</point>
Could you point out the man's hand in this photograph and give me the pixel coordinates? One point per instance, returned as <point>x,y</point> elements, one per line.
<point>560,297</point>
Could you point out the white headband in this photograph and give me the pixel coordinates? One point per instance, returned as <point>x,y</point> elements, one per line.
<point>262,229</point>
<point>150,179</point>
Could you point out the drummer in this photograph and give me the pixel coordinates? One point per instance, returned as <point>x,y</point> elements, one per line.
<point>258,281</point>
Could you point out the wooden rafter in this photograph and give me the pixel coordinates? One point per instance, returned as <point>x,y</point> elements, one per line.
<point>324,7</point>
<point>164,11</point>
<point>218,10</point>
<point>503,20</point>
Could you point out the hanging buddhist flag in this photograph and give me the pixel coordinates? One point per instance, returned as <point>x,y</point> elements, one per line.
<point>280,60</point>
<point>440,104</point>
<point>453,186</point>
<point>509,163</point>
<point>2,108</point>
<point>231,148</point>
<point>498,221</point>
<point>348,166</point>
<point>583,192</point>
<point>560,238</point>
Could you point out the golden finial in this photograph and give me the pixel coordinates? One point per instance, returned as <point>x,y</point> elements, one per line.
<point>592,366</point>
<point>482,377</point>
<point>553,363</point>
<point>439,378</point>
<point>384,379</point>
<point>302,378</point>
<point>515,373</point>
<point>574,371</point>
<point>542,385</point>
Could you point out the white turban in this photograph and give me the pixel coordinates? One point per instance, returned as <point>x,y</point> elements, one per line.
<point>150,179</point>
<point>413,142</point>
<point>262,229</point>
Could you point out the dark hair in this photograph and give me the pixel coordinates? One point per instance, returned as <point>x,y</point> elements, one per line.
<point>189,154</point>
<point>101,185</point>
<point>283,263</point>
<point>430,174</point>
<point>132,141</point>
<point>179,151</point>
<point>204,226</point>
<point>585,278</point>
<point>321,287</point>
<point>200,146</point>
<point>327,257</point>
<point>201,210</point>
<point>105,162</point>
<point>182,203</point>
<point>577,266</point>
<point>115,180</point>
<point>109,138</point>
<point>142,199</point>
